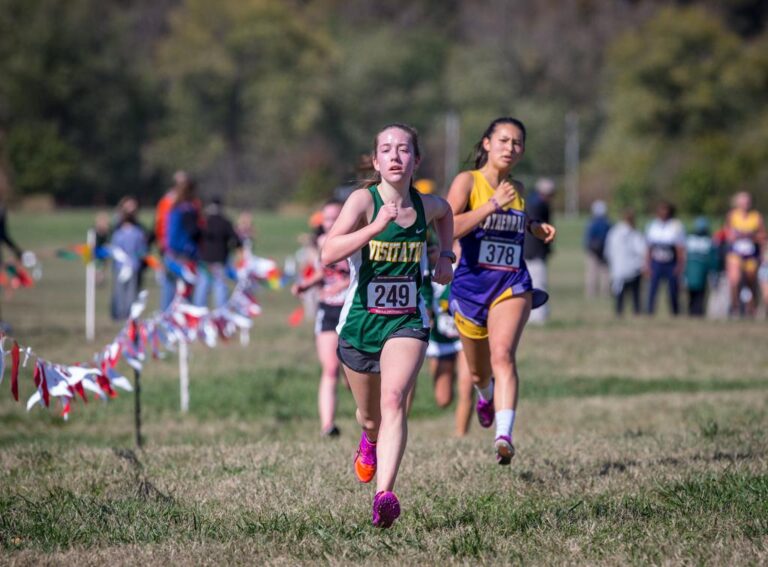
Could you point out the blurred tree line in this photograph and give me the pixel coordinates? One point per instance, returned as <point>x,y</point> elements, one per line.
<point>271,100</point>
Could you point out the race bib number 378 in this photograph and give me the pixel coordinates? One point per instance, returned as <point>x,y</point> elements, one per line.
<point>499,255</point>
<point>392,295</point>
<point>744,247</point>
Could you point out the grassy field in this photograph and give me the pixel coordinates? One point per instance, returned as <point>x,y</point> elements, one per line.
<point>639,441</point>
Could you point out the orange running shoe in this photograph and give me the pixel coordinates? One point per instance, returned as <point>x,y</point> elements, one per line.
<point>365,459</point>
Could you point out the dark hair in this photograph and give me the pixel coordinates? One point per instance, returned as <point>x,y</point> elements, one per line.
<point>127,217</point>
<point>317,232</point>
<point>410,130</point>
<point>670,207</point>
<point>364,166</point>
<point>481,156</point>
<point>186,191</point>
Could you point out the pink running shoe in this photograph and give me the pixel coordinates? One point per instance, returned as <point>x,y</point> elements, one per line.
<point>485,411</point>
<point>386,509</point>
<point>505,450</point>
<point>365,459</point>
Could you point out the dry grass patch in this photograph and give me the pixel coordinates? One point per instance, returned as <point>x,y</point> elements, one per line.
<point>578,491</point>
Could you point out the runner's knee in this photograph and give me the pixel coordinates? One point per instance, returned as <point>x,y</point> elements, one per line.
<point>502,358</point>
<point>392,401</point>
<point>331,371</point>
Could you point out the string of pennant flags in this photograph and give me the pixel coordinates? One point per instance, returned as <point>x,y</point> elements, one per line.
<point>138,340</point>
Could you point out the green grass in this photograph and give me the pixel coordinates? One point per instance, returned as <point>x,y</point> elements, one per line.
<point>628,386</point>
<point>610,524</point>
<point>639,441</point>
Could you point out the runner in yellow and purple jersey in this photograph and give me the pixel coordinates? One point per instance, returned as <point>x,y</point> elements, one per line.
<point>492,293</point>
<point>491,268</point>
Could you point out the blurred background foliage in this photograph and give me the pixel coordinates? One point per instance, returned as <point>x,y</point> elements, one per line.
<point>269,101</point>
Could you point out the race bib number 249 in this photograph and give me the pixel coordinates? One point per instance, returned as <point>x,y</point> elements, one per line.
<point>392,295</point>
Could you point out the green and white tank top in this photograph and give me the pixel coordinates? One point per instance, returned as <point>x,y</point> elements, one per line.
<point>385,277</point>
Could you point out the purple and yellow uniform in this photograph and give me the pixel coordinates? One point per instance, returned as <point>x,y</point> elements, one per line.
<point>744,235</point>
<point>492,267</point>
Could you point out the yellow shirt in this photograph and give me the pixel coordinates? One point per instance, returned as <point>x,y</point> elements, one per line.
<point>482,193</point>
<point>745,223</point>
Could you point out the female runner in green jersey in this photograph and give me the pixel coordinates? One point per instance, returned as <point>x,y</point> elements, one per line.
<point>384,329</point>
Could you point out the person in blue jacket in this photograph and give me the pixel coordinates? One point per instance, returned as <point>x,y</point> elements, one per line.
<point>596,274</point>
<point>183,237</point>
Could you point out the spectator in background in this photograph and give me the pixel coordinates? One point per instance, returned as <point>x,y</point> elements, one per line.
<point>536,251</point>
<point>244,229</point>
<point>331,283</point>
<point>307,259</point>
<point>596,273</point>
<point>718,300</point>
<point>6,238</point>
<point>164,206</point>
<point>183,235</point>
<point>700,262</point>
<point>129,247</point>
<point>625,252</point>
<point>217,240</point>
<point>102,228</point>
<point>745,234</point>
<point>129,207</point>
<point>665,236</point>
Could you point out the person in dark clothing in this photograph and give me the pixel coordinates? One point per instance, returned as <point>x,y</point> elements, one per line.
<point>665,236</point>
<point>217,240</point>
<point>102,227</point>
<point>596,273</point>
<point>6,238</point>
<point>536,251</point>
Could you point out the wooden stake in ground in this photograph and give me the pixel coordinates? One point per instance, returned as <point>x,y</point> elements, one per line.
<point>137,390</point>
<point>90,288</point>
<point>137,406</point>
<point>184,375</point>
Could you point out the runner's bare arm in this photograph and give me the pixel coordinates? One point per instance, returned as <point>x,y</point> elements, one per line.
<point>438,210</point>
<point>543,231</point>
<point>762,235</point>
<point>351,231</point>
<point>458,197</point>
<point>308,283</point>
